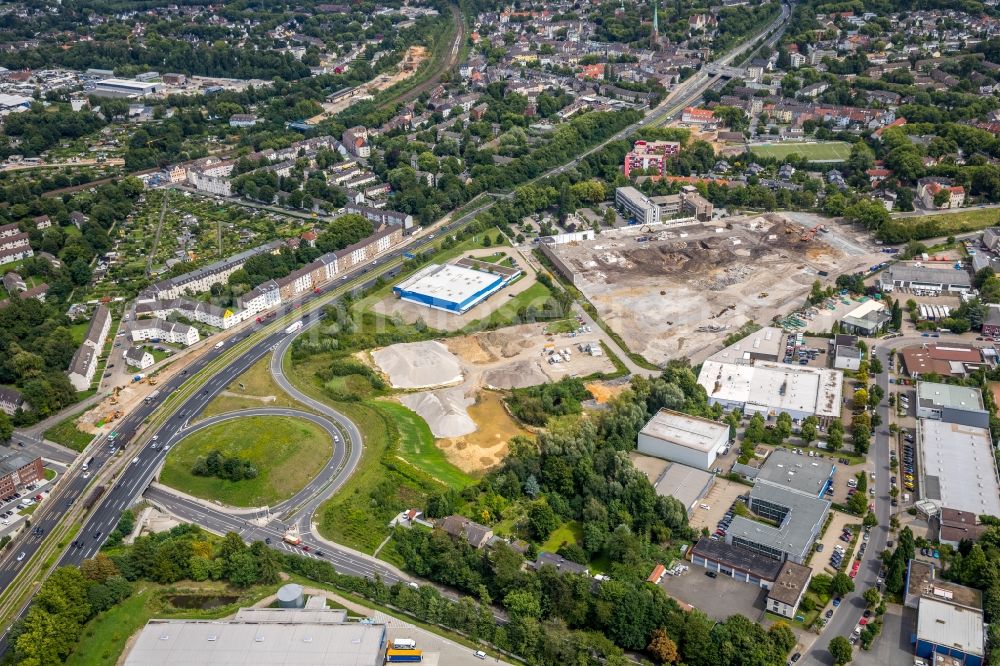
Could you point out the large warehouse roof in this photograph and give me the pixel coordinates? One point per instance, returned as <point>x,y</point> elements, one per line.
<point>763,343</point>
<point>958,467</point>
<point>941,623</point>
<point>691,432</point>
<point>209,643</point>
<point>685,483</point>
<point>776,387</point>
<point>448,286</point>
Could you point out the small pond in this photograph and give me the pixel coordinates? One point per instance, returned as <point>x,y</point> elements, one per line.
<point>201,601</point>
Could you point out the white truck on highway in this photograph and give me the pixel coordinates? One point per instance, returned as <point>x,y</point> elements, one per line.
<point>291,328</point>
<point>218,345</point>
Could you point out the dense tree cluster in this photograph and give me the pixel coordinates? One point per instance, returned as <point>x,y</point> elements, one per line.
<point>221,466</point>
<point>535,404</point>
<point>41,128</point>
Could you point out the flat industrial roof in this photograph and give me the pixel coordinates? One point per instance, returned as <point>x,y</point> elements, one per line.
<point>687,484</point>
<point>799,473</point>
<point>957,461</point>
<point>926,274</point>
<point>804,518</point>
<point>776,386</point>
<point>447,282</point>
<point>691,432</point>
<point>955,627</point>
<point>765,342</point>
<point>213,643</point>
<point>931,394</point>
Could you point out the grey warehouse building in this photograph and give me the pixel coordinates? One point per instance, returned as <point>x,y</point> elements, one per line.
<point>952,404</point>
<point>910,276</point>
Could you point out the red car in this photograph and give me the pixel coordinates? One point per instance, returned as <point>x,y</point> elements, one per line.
<point>305,548</point>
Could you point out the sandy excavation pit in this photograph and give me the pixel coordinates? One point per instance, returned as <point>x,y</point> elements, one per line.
<point>456,371</point>
<point>676,292</point>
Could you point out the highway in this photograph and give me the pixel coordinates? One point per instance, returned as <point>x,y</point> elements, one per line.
<point>136,476</point>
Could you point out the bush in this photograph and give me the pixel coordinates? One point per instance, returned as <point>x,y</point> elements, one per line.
<point>536,404</point>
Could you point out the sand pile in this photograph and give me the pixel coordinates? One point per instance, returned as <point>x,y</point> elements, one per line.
<point>415,365</point>
<point>518,374</point>
<point>444,411</point>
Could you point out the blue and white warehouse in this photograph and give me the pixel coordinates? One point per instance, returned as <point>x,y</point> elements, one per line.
<point>449,287</point>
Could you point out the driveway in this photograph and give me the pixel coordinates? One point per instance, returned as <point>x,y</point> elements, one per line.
<point>716,597</point>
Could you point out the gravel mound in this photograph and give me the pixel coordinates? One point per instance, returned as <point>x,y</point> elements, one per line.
<point>444,411</point>
<point>414,365</point>
<point>516,375</point>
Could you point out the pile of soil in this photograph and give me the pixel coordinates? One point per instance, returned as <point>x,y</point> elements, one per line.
<point>415,365</point>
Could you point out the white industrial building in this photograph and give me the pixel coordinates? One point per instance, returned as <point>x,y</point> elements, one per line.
<point>637,206</point>
<point>771,388</point>
<point>124,88</point>
<point>957,468</point>
<point>689,440</point>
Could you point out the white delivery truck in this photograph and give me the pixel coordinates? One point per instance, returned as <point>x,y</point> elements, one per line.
<point>291,328</point>
<point>403,644</point>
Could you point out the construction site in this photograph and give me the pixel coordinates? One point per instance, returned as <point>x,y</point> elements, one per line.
<point>463,379</point>
<point>674,290</point>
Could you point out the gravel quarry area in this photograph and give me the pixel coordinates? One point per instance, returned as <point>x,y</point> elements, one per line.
<point>458,372</point>
<point>417,365</point>
<point>675,290</point>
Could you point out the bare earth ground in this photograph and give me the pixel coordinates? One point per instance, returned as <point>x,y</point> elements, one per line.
<point>513,357</point>
<point>448,321</point>
<point>415,55</point>
<point>658,292</point>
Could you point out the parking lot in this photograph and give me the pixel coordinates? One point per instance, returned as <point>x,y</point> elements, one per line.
<point>718,500</point>
<point>717,597</point>
<point>893,644</point>
<point>820,563</point>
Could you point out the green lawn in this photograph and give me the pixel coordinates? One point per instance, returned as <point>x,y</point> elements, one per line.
<point>416,447</point>
<point>49,474</point>
<point>288,453</point>
<point>819,151</point>
<point>66,433</point>
<point>945,224</point>
<point>504,315</point>
<point>566,533</point>
<point>104,637</point>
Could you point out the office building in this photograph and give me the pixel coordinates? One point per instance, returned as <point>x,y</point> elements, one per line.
<point>787,591</point>
<point>18,470</point>
<point>636,206</point>
<point>949,635</point>
<point>689,440</point>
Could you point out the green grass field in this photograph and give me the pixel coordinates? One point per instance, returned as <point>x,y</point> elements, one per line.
<point>416,447</point>
<point>504,315</point>
<point>65,433</point>
<point>933,226</point>
<point>570,532</point>
<point>820,151</point>
<point>288,453</point>
<point>104,637</point>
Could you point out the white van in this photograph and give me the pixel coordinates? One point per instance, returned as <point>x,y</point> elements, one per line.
<point>135,460</point>
<point>403,644</point>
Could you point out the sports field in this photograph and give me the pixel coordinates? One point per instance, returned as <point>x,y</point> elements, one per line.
<point>816,151</point>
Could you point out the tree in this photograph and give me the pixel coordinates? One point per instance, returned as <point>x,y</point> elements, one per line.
<point>871,520</point>
<point>6,428</point>
<point>860,398</point>
<point>808,429</point>
<point>242,569</point>
<point>542,520</point>
<point>841,584</point>
<point>523,603</point>
<point>857,504</point>
<point>872,597</point>
<point>840,650</point>
<point>663,648</point>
